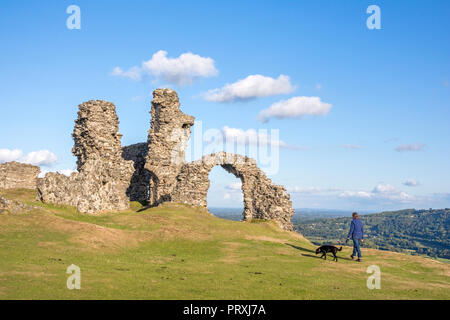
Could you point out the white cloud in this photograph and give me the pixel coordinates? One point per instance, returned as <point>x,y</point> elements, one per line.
<point>233,194</point>
<point>42,173</point>
<point>403,196</point>
<point>356,194</point>
<point>7,155</point>
<point>40,158</point>
<point>67,172</point>
<point>384,188</point>
<point>390,192</point>
<point>254,86</point>
<point>37,158</point>
<point>181,71</point>
<point>295,107</point>
<point>311,190</point>
<point>251,137</point>
<point>381,192</point>
<point>410,147</point>
<point>411,183</point>
<point>234,186</point>
<point>134,73</point>
<point>352,146</point>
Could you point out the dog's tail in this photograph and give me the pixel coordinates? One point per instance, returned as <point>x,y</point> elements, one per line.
<point>340,249</point>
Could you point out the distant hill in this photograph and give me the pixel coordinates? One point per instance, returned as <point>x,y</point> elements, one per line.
<point>233,214</point>
<point>301,214</point>
<point>307,214</point>
<point>413,231</point>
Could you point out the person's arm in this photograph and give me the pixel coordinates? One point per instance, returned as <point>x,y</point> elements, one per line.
<point>352,227</point>
<point>362,232</point>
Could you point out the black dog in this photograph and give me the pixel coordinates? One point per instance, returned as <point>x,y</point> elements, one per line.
<point>325,249</point>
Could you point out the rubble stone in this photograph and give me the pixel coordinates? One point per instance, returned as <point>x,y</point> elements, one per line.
<point>13,205</point>
<point>103,176</point>
<point>14,175</point>
<point>4,203</point>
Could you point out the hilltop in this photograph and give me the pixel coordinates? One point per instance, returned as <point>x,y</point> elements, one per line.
<point>181,252</point>
<point>412,231</point>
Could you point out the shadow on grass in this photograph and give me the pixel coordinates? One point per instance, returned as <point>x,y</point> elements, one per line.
<point>312,251</point>
<point>145,206</point>
<point>300,248</point>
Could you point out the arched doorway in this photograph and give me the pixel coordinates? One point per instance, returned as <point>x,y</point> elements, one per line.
<point>262,198</point>
<point>225,198</point>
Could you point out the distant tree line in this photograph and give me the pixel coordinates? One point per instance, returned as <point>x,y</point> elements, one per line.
<point>414,231</point>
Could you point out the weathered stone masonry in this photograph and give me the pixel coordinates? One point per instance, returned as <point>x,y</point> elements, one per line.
<point>262,198</point>
<point>174,180</point>
<point>15,175</point>
<point>169,133</point>
<point>109,176</point>
<point>103,176</point>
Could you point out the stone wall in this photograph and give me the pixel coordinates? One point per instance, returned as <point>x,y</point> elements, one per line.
<point>262,198</point>
<point>18,175</point>
<point>103,176</point>
<point>169,132</point>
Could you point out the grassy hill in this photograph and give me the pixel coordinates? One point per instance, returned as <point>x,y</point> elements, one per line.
<point>412,231</point>
<point>180,252</point>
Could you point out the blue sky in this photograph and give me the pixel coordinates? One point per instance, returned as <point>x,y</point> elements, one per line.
<point>382,144</point>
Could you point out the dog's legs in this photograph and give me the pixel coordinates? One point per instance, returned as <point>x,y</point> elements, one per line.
<point>322,254</point>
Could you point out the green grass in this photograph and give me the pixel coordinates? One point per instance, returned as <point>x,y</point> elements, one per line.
<point>180,252</point>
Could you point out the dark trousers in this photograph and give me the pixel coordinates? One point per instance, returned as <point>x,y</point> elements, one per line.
<point>356,247</point>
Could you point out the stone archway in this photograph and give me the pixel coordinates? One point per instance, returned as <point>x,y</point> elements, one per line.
<point>225,198</point>
<point>262,198</point>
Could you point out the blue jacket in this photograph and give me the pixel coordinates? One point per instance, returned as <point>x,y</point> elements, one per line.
<point>356,229</point>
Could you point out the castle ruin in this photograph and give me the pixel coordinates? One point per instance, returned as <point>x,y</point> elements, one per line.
<point>15,175</point>
<point>109,176</point>
<point>103,175</point>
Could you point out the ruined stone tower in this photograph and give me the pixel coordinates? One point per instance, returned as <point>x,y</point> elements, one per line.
<point>169,133</point>
<point>103,176</point>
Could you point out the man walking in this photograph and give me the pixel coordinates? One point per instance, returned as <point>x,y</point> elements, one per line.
<point>356,233</point>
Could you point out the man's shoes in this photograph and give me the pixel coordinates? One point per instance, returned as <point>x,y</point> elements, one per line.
<point>359,260</point>
<point>352,257</point>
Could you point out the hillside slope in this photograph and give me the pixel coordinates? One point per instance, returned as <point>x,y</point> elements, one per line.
<point>414,231</point>
<point>180,252</point>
